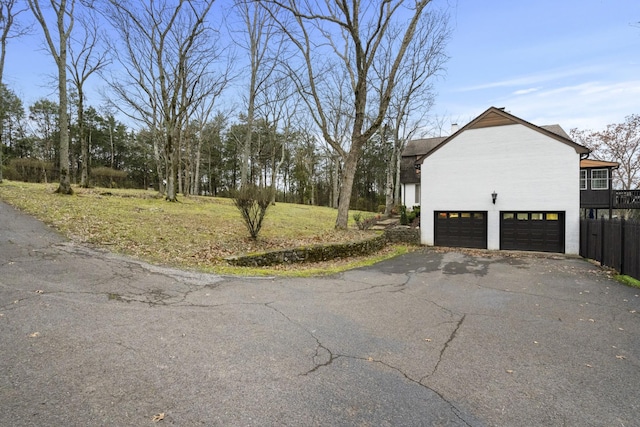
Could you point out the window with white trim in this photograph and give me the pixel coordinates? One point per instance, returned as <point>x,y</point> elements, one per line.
<point>417,195</point>
<point>600,179</point>
<point>583,179</point>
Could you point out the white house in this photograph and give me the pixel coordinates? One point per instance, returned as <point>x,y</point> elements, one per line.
<point>501,182</point>
<point>409,175</point>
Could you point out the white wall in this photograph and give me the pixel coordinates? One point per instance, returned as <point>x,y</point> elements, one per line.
<point>409,195</point>
<point>528,170</point>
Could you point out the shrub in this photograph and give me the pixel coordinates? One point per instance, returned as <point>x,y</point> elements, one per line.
<point>364,223</point>
<point>404,220</point>
<point>108,178</point>
<point>28,169</point>
<point>252,202</point>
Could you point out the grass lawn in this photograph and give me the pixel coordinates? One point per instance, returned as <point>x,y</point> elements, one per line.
<point>628,280</point>
<point>194,233</point>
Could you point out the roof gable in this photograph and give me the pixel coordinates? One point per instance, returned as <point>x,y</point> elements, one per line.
<point>493,117</point>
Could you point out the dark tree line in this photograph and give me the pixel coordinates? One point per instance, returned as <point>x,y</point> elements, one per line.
<point>312,100</point>
<point>119,156</point>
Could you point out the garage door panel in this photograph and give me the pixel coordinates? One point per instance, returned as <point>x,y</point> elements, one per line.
<point>461,229</point>
<point>532,231</point>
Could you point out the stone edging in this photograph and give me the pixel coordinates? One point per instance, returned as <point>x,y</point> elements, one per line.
<point>318,253</point>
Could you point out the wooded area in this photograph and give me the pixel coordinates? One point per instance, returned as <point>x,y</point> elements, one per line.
<point>315,103</point>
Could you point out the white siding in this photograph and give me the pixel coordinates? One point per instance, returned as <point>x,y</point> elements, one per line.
<point>528,170</point>
<point>409,195</point>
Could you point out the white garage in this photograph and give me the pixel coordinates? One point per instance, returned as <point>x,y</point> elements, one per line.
<point>503,183</point>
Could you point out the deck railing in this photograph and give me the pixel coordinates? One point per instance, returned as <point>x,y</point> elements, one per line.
<point>626,199</point>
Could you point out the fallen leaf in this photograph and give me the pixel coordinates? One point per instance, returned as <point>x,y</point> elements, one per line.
<point>620,357</point>
<point>39,291</point>
<point>632,311</point>
<point>536,342</point>
<point>370,359</point>
<point>588,366</point>
<point>509,371</point>
<point>34,335</point>
<point>427,339</point>
<point>158,417</point>
<point>620,329</point>
<point>591,320</point>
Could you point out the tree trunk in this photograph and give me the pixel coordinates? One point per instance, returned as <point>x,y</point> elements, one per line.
<point>84,150</point>
<point>159,163</point>
<point>335,190</point>
<point>170,153</point>
<point>196,175</point>
<point>65,181</point>
<point>389,185</point>
<point>348,175</point>
<point>396,196</point>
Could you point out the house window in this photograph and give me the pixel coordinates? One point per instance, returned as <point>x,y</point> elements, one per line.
<point>417,198</point>
<point>600,179</point>
<point>583,180</point>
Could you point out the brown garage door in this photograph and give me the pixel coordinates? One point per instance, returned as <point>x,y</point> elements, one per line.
<point>461,229</point>
<point>532,231</point>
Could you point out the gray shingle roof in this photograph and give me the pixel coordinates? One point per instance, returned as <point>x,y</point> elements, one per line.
<point>418,147</point>
<point>557,130</point>
<point>414,149</point>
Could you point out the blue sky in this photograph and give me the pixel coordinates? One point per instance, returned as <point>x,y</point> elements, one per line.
<point>575,63</point>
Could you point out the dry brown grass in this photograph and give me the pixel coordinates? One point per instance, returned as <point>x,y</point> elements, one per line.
<point>196,232</point>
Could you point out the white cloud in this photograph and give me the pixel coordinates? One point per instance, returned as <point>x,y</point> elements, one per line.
<point>585,105</point>
<point>526,91</point>
<point>589,105</point>
<point>537,78</point>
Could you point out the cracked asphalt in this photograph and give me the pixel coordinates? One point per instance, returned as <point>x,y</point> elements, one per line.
<point>89,338</point>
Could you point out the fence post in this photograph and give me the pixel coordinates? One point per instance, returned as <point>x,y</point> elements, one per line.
<point>622,244</point>
<point>601,260</point>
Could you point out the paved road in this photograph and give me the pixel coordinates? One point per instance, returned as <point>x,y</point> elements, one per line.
<point>435,339</point>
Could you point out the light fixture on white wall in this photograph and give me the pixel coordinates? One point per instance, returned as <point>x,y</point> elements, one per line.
<point>494,196</point>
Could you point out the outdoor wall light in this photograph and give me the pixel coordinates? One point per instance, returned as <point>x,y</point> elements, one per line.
<point>494,196</point>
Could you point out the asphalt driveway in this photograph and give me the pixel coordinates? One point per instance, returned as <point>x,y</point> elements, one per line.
<point>436,339</point>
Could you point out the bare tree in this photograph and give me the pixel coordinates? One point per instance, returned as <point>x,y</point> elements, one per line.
<point>413,96</point>
<point>84,62</point>
<point>618,142</point>
<point>262,44</point>
<point>64,13</point>
<point>353,32</point>
<point>278,110</point>
<point>166,53</point>
<point>9,29</point>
